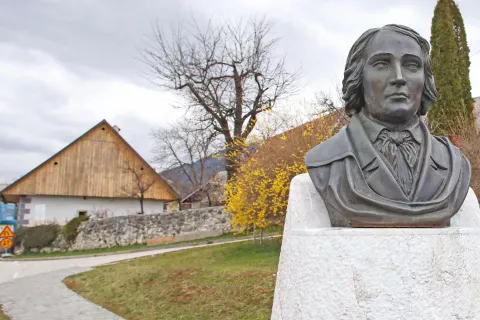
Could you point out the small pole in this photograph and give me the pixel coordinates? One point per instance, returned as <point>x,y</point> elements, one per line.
<point>261,235</point>
<point>254,233</point>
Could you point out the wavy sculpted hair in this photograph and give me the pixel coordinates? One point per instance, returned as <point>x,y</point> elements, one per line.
<point>353,75</point>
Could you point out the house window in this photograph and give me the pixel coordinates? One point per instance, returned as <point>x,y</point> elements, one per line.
<point>185,206</point>
<point>165,207</point>
<point>82,213</point>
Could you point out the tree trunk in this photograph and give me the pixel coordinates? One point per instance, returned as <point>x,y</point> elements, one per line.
<point>141,204</point>
<point>254,234</point>
<point>209,199</point>
<point>231,165</point>
<point>261,236</point>
<point>233,155</point>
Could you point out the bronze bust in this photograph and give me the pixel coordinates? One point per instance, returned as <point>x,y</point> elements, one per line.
<point>385,168</point>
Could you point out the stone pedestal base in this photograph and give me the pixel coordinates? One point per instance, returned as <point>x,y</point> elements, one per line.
<point>378,274</point>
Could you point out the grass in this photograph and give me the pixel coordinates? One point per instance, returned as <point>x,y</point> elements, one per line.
<point>143,246</point>
<point>133,247</point>
<point>3,316</point>
<point>230,281</point>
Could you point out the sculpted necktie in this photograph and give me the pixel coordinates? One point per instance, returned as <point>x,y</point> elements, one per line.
<point>401,150</point>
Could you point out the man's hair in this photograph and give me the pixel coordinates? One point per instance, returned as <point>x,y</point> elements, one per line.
<point>353,75</point>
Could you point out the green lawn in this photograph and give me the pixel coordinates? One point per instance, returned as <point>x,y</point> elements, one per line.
<point>2,315</point>
<point>230,281</point>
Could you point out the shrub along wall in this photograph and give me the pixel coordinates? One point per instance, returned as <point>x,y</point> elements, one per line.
<point>36,237</point>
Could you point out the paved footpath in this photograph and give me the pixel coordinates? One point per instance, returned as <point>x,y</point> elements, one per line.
<point>33,290</point>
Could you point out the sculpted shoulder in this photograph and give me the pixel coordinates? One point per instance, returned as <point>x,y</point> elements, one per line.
<point>335,148</point>
<point>451,155</point>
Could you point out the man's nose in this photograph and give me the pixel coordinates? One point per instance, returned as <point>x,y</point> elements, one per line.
<point>397,76</point>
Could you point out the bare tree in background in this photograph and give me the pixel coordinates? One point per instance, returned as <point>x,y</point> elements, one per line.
<point>184,144</point>
<point>227,73</point>
<point>140,183</point>
<point>325,103</point>
<point>274,122</point>
<point>284,118</point>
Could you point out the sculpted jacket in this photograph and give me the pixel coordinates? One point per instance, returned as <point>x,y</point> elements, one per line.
<point>359,189</point>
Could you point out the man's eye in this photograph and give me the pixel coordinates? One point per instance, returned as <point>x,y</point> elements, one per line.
<point>381,64</point>
<point>412,66</point>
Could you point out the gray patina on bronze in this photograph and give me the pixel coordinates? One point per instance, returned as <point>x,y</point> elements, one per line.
<point>385,168</point>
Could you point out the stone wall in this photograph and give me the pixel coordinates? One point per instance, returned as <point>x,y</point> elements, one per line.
<point>137,229</point>
<point>128,230</point>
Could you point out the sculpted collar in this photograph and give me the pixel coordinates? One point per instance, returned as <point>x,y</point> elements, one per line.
<point>373,129</point>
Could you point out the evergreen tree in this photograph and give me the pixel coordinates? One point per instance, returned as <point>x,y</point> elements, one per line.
<point>463,55</point>
<point>445,66</point>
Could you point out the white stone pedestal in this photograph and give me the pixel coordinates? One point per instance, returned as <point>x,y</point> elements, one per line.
<point>378,274</point>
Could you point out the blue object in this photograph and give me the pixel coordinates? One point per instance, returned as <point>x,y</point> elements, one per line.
<point>8,212</point>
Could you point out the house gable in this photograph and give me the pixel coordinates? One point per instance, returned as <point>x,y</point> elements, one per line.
<point>91,166</point>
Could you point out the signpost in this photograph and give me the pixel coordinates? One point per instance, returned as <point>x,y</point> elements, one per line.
<point>8,217</point>
<point>6,243</point>
<point>6,238</point>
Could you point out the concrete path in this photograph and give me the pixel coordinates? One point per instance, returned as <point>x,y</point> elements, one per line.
<point>34,289</point>
<point>45,297</point>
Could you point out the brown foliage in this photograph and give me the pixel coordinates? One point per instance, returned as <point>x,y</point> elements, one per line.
<point>294,143</point>
<point>467,139</point>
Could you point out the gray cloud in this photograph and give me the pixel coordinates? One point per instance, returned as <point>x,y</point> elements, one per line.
<point>103,35</point>
<point>65,65</point>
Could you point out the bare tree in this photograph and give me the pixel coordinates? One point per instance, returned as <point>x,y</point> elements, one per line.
<point>186,145</point>
<point>292,115</point>
<point>227,73</point>
<point>141,182</point>
<point>274,122</point>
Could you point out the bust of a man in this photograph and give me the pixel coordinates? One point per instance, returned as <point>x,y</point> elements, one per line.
<point>385,168</point>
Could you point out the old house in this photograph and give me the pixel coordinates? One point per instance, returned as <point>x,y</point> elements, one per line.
<point>98,174</point>
<point>209,195</point>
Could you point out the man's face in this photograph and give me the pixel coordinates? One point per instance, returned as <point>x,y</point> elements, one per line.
<point>393,78</point>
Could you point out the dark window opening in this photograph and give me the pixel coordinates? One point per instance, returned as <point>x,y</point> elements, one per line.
<point>55,163</point>
<point>185,206</point>
<point>103,128</point>
<point>82,213</point>
<point>141,168</point>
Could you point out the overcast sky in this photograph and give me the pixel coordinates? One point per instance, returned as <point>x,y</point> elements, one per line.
<point>66,65</point>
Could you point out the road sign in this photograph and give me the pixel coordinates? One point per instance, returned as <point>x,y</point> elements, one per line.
<point>7,232</point>
<point>6,243</point>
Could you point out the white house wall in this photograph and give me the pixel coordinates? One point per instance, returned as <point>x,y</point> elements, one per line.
<point>35,210</point>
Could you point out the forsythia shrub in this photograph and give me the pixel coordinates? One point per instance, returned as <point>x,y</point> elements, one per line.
<point>258,193</point>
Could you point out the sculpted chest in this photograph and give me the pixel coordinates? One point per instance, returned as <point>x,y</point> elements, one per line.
<point>359,188</point>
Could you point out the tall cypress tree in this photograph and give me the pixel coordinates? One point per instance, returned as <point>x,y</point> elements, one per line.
<point>445,66</point>
<point>463,55</point>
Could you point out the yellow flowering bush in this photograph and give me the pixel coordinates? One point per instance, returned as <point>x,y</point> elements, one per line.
<point>257,195</point>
